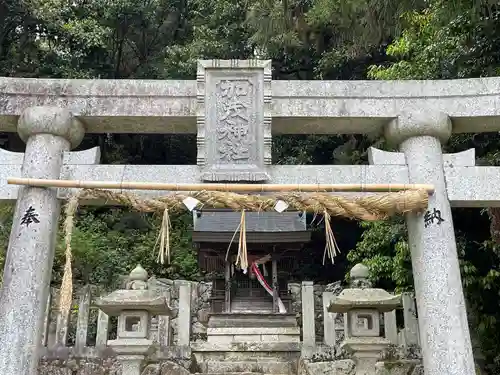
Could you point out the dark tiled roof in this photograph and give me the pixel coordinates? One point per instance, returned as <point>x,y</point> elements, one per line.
<point>228,221</point>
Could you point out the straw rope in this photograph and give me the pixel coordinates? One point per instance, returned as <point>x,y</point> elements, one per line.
<point>372,207</point>
<point>369,208</point>
<point>164,239</point>
<point>66,296</point>
<point>242,258</point>
<point>331,247</point>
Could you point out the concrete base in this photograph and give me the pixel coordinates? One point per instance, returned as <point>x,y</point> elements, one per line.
<point>263,358</point>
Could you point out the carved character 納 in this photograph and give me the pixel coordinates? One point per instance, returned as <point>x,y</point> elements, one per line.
<point>433,217</point>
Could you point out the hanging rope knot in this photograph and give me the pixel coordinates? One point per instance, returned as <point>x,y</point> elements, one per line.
<point>331,246</point>
<point>164,239</point>
<point>242,257</point>
<point>66,296</point>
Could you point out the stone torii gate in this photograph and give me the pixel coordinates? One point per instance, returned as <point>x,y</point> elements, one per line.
<point>51,116</point>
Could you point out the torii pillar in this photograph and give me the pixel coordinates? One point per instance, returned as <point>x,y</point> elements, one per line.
<point>48,133</point>
<point>444,331</point>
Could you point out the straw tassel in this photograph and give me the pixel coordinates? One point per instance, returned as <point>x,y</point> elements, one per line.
<point>242,257</point>
<point>231,242</point>
<point>66,296</point>
<point>331,247</point>
<point>164,238</point>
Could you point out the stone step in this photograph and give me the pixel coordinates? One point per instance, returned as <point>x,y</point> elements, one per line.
<point>243,320</point>
<point>235,373</point>
<point>267,367</point>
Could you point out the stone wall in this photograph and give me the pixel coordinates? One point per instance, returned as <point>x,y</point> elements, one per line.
<point>103,361</point>
<point>69,348</point>
<point>296,295</point>
<point>200,305</point>
<point>200,309</point>
<point>83,317</point>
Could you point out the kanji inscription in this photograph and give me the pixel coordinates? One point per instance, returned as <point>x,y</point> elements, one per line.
<point>30,217</point>
<point>233,123</point>
<point>233,118</point>
<point>433,217</point>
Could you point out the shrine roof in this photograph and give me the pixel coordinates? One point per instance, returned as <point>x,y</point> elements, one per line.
<point>228,221</point>
<point>261,227</point>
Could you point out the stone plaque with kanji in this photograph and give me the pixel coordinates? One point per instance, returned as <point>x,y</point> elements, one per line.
<point>234,122</point>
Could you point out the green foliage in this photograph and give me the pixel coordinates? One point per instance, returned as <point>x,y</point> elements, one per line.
<point>111,242</point>
<point>6,212</point>
<point>384,249</point>
<point>441,43</point>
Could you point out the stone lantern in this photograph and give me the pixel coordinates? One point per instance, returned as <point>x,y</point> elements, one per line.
<point>135,305</point>
<point>362,305</point>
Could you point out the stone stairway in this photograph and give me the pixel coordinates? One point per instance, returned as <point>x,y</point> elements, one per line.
<point>252,327</point>
<point>249,344</point>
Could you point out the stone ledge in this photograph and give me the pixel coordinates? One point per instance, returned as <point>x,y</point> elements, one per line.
<point>465,158</point>
<point>246,320</point>
<point>254,331</point>
<point>270,366</point>
<point>466,186</point>
<point>85,157</point>
<point>64,352</point>
<point>92,352</point>
<point>253,338</point>
<point>280,174</point>
<point>298,107</point>
<point>246,347</point>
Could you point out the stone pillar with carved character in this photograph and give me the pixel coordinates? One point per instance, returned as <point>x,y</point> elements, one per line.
<point>444,331</point>
<point>48,133</point>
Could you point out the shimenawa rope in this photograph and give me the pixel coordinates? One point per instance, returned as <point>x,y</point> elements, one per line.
<point>372,207</point>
